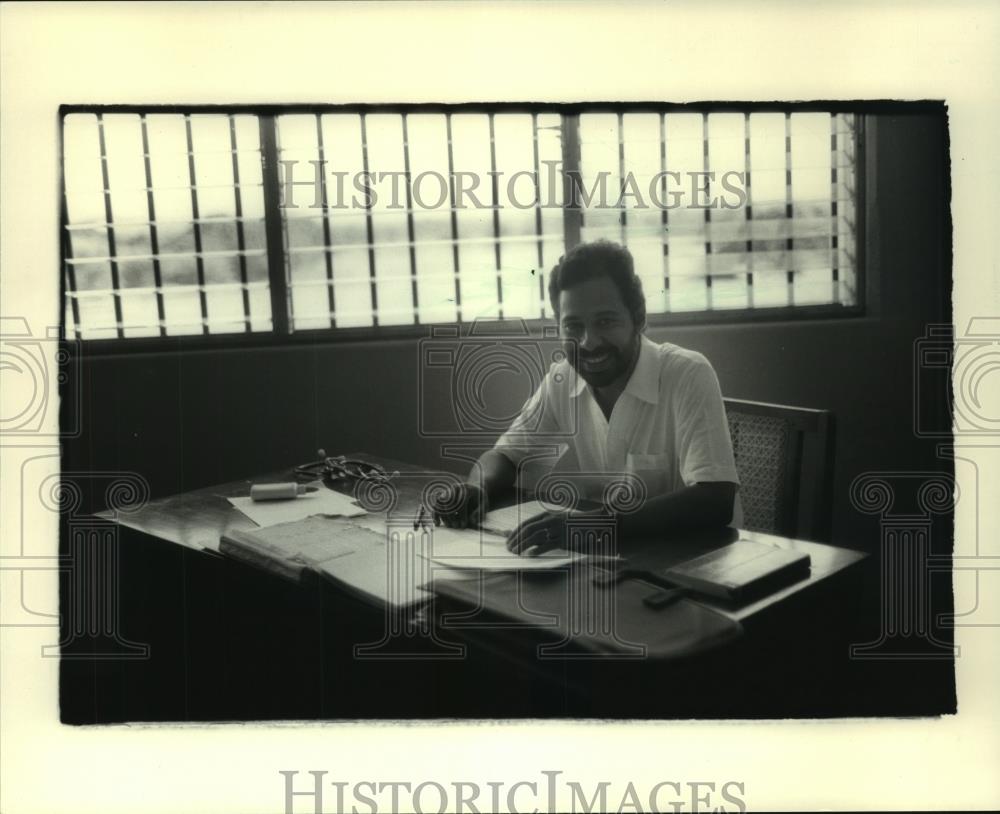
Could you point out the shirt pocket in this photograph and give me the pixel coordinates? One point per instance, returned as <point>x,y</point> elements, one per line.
<point>657,471</point>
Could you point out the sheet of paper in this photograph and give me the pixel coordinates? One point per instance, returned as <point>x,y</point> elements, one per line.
<point>273,512</point>
<point>482,551</point>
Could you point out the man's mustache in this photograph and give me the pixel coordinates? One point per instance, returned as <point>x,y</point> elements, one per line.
<point>593,354</point>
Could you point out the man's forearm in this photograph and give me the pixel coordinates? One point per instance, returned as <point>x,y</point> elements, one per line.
<point>702,505</point>
<point>494,472</point>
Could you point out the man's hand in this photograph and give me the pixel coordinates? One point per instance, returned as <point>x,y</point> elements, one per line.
<point>547,531</point>
<point>538,534</point>
<point>460,506</point>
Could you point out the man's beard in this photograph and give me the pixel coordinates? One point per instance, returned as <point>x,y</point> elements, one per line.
<point>604,365</point>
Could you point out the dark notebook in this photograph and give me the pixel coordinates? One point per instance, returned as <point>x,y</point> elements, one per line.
<point>741,570</point>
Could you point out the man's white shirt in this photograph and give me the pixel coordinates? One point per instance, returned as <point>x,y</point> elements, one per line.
<point>668,427</point>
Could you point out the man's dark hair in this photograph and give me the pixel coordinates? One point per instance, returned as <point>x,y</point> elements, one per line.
<point>602,258</point>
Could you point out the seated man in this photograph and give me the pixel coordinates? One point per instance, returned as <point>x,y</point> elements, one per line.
<point>624,404</point>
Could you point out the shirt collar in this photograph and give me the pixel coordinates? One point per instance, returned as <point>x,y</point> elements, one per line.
<point>644,383</point>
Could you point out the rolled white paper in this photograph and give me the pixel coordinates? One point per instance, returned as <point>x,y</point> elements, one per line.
<point>276,491</point>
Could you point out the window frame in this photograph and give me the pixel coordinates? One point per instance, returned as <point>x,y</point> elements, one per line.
<point>281,334</point>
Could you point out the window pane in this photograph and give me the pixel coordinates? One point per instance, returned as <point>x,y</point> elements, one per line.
<point>432,225</point>
<point>725,210</point>
<point>400,218</point>
<point>160,209</point>
<point>439,214</point>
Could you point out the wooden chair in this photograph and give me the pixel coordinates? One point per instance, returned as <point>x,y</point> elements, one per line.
<point>784,457</point>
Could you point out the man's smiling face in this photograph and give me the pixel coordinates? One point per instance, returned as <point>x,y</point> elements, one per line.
<point>601,338</point>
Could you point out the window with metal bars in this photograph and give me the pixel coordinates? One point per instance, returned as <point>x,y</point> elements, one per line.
<point>199,223</point>
<point>787,237</point>
<point>164,225</point>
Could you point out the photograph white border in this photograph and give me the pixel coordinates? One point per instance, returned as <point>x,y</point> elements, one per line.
<point>249,53</point>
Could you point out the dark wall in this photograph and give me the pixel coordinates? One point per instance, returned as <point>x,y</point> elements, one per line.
<point>186,420</point>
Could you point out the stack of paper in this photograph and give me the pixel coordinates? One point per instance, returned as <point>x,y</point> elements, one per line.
<point>290,548</point>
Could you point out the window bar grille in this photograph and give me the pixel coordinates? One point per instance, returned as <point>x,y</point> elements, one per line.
<point>199,261</point>
<point>708,213</point>
<point>841,220</point>
<point>454,217</point>
<point>385,244</point>
<point>109,219</point>
<point>121,258</point>
<point>173,188</point>
<point>622,216</point>
<point>789,241</point>
<point>277,272</point>
<point>494,186</point>
<point>855,224</point>
<point>154,242</point>
<point>240,239</point>
<point>369,223</point>
<point>664,217</point>
<point>72,227</point>
<point>852,226</point>
<point>572,211</point>
<point>748,205</point>
<point>327,239</point>
<point>834,224</point>
<point>70,271</point>
<point>538,211</point>
<point>410,233</point>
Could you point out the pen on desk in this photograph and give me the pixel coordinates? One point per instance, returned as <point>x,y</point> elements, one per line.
<point>279,491</point>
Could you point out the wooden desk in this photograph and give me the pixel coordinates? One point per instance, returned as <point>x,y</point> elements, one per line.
<point>198,519</point>
<point>230,622</point>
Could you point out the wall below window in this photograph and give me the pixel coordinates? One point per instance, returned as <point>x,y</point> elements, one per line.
<point>187,420</point>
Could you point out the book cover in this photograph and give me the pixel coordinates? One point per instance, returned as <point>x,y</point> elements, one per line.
<point>740,570</point>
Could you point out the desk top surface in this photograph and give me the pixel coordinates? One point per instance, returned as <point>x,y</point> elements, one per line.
<point>199,518</point>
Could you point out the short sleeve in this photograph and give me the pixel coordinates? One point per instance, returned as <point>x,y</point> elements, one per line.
<point>535,433</point>
<point>705,449</point>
